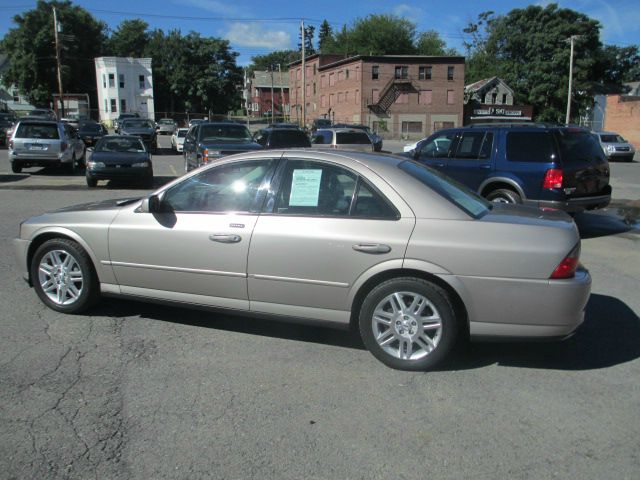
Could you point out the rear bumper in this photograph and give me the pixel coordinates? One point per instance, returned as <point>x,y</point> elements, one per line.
<point>27,160</point>
<point>575,205</point>
<point>521,308</point>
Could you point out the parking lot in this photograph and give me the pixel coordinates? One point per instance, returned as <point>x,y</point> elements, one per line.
<point>133,390</point>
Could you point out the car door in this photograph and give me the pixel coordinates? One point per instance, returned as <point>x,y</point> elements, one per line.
<point>322,229</point>
<point>194,248</point>
<point>435,150</point>
<point>471,162</point>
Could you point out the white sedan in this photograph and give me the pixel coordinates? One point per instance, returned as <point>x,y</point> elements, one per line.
<point>177,139</point>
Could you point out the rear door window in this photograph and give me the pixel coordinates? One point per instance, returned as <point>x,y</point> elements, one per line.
<point>578,146</point>
<point>323,137</point>
<point>289,138</point>
<point>469,145</point>
<point>352,138</point>
<point>535,147</point>
<point>438,147</point>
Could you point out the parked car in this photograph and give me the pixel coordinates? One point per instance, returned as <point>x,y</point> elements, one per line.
<point>44,143</point>
<point>343,139</point>
<point>319,123</point>
<point>7,121</point>
<point>284,125</point>
<point>379,243</point>
<point>177,139</point>
<point>546,166</point>
<point>122,118</point>
<point>166,126</point>
<point>91,132</point>
<point>282,138</point>
<point>206,142</point>
<point>119,157</point>
<point>196,121</point>
<point>43,113</point>
<point>76,120</point>
<point>143,128</point>
<point>615,147</point>
<point>375,138</point>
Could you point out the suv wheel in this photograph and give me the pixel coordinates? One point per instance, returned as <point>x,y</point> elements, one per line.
<point>504,195</point>
<point>16,167</point>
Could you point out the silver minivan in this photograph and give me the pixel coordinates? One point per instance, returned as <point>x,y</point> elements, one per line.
<point>44,143</point>
<point>342,139</point>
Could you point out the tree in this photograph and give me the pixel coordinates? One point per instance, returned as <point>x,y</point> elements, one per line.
<point>325,37</point>
<point>309,31</point>
<point>30,48</point>
<point>430,43</point>
<point>278,57</point>
<point>480,63</point>
<point>617,65</point>
<point>129,40</point>
<point>377,35</point>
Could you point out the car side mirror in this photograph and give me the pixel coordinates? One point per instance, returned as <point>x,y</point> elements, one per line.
<point>151,204</point>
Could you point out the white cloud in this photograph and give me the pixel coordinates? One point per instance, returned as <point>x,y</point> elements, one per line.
<point>253,35</point>
<point>213,6</point>
<point>408,11</point>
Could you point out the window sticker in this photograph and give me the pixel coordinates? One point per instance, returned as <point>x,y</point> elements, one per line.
<point>305,188</point>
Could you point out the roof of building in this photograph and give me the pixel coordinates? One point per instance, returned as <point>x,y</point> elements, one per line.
<point>263,79</point>
<point>486,84</point>
<point>634,88</point>
<point>330,61</point>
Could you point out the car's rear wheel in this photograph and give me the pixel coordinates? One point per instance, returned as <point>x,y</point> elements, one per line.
<point>16,167</point>
<point>504,195</point>
<point>63,276</point>
<point>72,166</point>
<point>408,323</point>
<point>91,182</point>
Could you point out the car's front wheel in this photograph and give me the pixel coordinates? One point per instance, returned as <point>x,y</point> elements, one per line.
<point>63,276</point>
<point>16,167</point>
<point>408,323</point>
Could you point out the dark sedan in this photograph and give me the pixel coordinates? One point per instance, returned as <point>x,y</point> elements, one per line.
<point>143,128</point>
<point>91,132</point>
<point>118,157</point>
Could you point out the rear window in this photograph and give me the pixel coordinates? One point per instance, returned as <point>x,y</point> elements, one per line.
<point>530,147</point>
<point>323,137</point>
<point>612,139</point>
<point>35,130</point>
<point>578,146</point>
<point>91,128</point>
<point>352,138</point>
<point>289,138</point>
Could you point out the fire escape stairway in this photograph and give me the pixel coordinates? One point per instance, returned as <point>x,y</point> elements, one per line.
<point>390,94</point>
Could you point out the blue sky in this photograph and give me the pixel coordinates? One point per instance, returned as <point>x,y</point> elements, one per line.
<point>257,27</point>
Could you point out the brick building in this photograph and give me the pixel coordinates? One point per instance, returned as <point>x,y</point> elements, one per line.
<point>259,89</point>
<point>622,115</point>
<point>407,96</point>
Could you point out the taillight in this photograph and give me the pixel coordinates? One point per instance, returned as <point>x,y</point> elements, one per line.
<point>567,267</point>
<point>63,146</point>
<point>11,144</point>
<point>552,178</point>
<point>205,156</point>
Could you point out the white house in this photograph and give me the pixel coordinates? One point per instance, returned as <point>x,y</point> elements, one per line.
<point>125,85</point>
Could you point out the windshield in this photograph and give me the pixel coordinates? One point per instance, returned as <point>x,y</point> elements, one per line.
<point>224,133</point>
<point>137,123</point>
<point>182,132</point>
<point>453,191</point>
<point>612,139</point>
<point>91,128</point>
<point>120,144</point>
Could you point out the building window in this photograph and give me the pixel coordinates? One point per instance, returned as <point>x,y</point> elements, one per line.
<point>332,79</point>
<point>494,98</point>
<point>357,97</point>
<point>340,97</point>
<point>314,69</point>
<point>450,73</point>
<point>440,125</point>
<point>16,97</point>
<point>123,105</point>
<point>104,81</point>
<point>331,101</point>
<point>323,101</point>
<point>121,80</point>
<point>375,72</point>
<point>424,97</point>
<point>314,88</point>
<point>346,97</point>
<point>504,98</point>
<point>411,127</point>
<point>298,73</point>
<point>424,73</point>
<point>450,97</point>
<point>323,80</point>
<point>114,108</point>
<point>112,80</point>
<point>346,74</point>
<point>141,82</point>
<point>402,73</point>
<point>340,76</point>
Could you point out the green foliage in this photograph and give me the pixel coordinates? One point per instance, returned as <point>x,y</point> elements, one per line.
<point>129,40</point>
<point>617,65</point>
<point>376,35</point>
<point>281,57</point>
<point>325,36</point>
<point>430,43</point>
<point>30,48</point>
<point>309,32</point>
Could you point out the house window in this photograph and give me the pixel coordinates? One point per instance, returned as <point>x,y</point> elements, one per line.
<point>114,107</point>
<point>112,80</point>
<point>494,98</point>
<point>106,106</point>
<point>340,75</point>
<point>123,105</point>
<point>402,73</point>
<point>298,73</point>
<point>104,81</point>
<point>424,73</point>
<point>504,98</point>
<point>16,97</point>
<point>424,97</point>
<point>141,82</point>
<point>375,72</point>
<point>411,127</point>
<point>450,97</point>
<point>121,80</point>
<point>450,73</point>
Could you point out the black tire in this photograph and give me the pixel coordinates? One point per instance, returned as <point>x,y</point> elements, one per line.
<point>16,167</point>
<point>504,195</point>
<point>79,273</point>
<point>92,182</point>
<point>71,168</point>
<point>408,328</point>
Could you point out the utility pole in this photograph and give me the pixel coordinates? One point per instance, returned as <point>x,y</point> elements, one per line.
<point>273,107</point>
<point>304,76</point>
<point>571,40</point>
<point>55,36</point>
<point>284,115</point>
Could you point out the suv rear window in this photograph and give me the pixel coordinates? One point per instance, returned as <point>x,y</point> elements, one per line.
<point>578,146</point>
<point>530,147</point>
<point>46,131</point>
<point>352,138</point>
<point>289,138</point>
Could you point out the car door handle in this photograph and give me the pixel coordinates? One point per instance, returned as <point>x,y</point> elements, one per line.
<point>374,248</point>
<point>224,238</point>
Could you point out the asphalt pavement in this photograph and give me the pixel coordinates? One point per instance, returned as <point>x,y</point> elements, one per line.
<point>137,391</point>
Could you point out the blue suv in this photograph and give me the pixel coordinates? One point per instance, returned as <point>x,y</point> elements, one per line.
<point>548,166</point>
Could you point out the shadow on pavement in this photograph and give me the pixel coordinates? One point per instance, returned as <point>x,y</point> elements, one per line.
<point>610,335</point>
<point>16,177</point>
<point>620,217</point>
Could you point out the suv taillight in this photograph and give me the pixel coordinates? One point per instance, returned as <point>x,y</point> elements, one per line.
<point>11,144</point>
<point>567,267</point>
<point>552,178</point>
<point>205,156</point>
